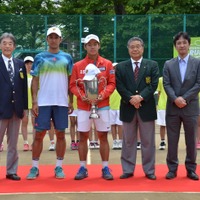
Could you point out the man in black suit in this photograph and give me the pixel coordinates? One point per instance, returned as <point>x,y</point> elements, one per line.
<point>13,100</point>
<point>181,78</point>
<point>136,81</point>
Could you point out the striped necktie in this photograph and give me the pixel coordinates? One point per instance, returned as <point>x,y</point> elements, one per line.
<point>10,72</point>
<point>136,70</point>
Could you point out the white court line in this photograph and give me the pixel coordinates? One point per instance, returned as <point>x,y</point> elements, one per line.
<point>89,155</point>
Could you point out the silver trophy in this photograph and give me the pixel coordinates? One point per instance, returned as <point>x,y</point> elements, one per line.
<point>91,86</point>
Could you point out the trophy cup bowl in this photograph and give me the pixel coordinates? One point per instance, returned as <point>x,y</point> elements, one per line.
<point>91,89</point>
<point>91,84</point>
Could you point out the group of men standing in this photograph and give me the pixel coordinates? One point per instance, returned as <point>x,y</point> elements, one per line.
<point>55,77</point>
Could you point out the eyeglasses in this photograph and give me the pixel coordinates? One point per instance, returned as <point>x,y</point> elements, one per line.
<point>135,47</point>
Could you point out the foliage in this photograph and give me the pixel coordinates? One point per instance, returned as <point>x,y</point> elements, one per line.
<point>114,21</point>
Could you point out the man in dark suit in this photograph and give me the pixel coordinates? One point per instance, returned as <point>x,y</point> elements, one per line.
<point>136,81</point>
<point>13,100</point>
<point>181,76</point>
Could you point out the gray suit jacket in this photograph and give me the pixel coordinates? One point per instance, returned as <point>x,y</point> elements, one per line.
<point>189,89</point>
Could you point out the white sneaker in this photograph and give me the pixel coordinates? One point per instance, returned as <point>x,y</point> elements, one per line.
<point>162,145</point>
<point>138,145</point>
<point>52,147</point>
<point>115,144</point>
<point>96,145</point>
<point>119,144</point>
<point>91,145</point>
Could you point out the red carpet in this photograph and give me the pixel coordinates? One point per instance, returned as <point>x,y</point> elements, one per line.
<point>94,183</point>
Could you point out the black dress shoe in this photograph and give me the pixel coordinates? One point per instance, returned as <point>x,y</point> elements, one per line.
<point>192,175</point>
<point>126,175</point>
<point>13,177</point>
<point>151,176</point>
<point>171,175</point>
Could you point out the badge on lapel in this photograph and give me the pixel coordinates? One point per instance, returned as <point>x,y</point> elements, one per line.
<point>21,74</point>
<point>148,80</point>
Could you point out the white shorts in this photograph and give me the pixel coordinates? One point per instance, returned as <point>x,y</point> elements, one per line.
<point>114,117</point>
<point>74,113</point>
<point>161,118</point>
<point>84,123</point>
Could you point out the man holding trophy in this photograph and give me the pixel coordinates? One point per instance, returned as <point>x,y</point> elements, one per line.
<point>93,81</point>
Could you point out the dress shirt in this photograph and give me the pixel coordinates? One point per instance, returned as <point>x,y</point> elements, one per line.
<point>6,62</point>
<point>133,63</point>
<point>183,66</point>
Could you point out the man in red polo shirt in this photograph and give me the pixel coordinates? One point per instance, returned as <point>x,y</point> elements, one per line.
<point>100,67</point>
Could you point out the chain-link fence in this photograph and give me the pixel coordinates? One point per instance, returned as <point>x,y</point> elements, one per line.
<point>157,31</point>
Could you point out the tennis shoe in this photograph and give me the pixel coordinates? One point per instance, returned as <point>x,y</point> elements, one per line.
<point>81,174</point>
<point>162,145</point>
<point>59,173</point>
<point>34,173</point>
<point>106,174</point>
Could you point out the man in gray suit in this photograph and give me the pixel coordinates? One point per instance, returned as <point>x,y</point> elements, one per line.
<point>136,81</point>
<point>13,100</point>
<point>181,78</point>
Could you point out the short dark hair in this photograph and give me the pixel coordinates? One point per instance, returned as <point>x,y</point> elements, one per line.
<point>181,34</point>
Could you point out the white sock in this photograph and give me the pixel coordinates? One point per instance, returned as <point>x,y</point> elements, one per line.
<point>83,164</point>
<point>105,164</point>
<point>59,162</point>
<point>35,163</point>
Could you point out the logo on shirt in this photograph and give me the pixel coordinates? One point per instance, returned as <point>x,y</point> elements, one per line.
<point>102,68</point>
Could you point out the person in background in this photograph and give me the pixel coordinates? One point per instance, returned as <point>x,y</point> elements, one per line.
<point>51,134</point>
<point>161,112</point>
<point>1,147</point>
<point>138,140</point>
<point>51,72</point>
<point>93,65</point>
<point>136,81</point>
<point>93,138</point>
<point>116,124</point>
<point>28,60</point>
<point>74,134</point>
<point>181,79</point>
<point>13,101</point>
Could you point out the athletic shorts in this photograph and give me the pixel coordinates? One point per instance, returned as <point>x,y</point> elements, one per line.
<point>114,117</point>
<point>74,113</point>
<point>101,124</point>
<point>58,114</point>
<point>161,118</point>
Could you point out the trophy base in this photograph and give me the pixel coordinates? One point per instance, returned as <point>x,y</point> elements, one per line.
<point>94,116</point>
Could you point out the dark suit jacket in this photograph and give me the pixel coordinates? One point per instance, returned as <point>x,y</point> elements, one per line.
<point>189,89</point>
<point>13,98</point>
<point>146,85</point>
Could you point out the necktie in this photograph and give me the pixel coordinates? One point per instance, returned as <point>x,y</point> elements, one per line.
<point>10,72</point>
<point>136,70</point>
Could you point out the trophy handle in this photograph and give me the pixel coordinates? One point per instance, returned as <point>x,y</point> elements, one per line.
<point>80,81</point>
<point>104,81</point>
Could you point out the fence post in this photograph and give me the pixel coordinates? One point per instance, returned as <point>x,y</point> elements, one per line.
<point>149,36</point>
<point>46,27</point>
<point>81,30</point>
<point>184,22</point>
<point>115,38</point>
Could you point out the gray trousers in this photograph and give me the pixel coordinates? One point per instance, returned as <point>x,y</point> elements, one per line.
<point>10,127</point>
<point>129,147</point>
